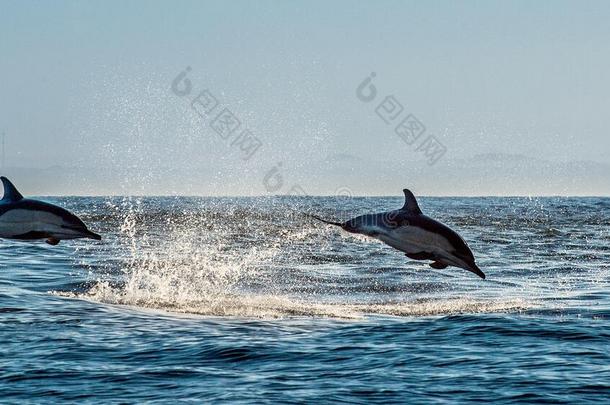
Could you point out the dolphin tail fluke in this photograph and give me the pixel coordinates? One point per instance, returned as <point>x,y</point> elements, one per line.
<point>475,269</point>
<point>323,220</point>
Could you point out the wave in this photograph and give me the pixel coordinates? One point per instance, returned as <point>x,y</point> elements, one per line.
<point>277,306</point>
<point>224,257</point>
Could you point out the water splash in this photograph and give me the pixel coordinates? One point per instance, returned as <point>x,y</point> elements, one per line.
<point>244,257</point>
<point>271,306</point>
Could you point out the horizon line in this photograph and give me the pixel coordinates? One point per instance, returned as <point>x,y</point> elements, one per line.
<point>326,196</point>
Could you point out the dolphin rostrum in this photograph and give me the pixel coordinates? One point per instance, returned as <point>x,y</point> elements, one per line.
<point>25,219</point>
<point>418,236</point>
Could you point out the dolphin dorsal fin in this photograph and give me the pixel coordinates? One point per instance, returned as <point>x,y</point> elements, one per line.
<point>410,202</point>
<point>11,193</point>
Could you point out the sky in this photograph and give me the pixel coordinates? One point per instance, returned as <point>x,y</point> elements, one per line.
<point>509,98</point>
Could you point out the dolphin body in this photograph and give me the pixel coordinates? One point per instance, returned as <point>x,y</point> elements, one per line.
<point>25,219</point>
<point>418,236</point>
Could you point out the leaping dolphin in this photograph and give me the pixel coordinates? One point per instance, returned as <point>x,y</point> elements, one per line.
<point>25,219</point>
<point>418,236</point>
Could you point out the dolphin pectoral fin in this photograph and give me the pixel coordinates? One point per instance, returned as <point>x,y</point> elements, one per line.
<point>52,241</point>
<point>420,256</point>
<point>438,265</point>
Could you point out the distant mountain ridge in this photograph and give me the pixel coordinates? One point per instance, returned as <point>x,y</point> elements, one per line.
<point>499,174</point>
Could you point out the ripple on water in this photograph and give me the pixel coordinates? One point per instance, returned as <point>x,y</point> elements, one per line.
<point>234,300</point>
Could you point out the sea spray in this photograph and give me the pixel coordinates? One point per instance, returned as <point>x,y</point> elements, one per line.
<point>250,257</point>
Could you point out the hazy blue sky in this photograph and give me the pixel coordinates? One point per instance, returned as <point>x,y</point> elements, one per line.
<point>86,94</point>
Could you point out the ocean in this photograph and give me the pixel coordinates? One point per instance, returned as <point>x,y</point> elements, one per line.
<point>244,300</point>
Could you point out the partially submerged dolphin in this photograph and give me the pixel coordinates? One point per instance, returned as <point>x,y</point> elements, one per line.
<point>25,219</point>
<point>418,236</point>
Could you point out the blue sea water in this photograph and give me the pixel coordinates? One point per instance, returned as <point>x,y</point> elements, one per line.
<point>242,300</point>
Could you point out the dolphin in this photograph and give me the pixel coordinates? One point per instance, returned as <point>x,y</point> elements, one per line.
<point>25,219</point>
<point>418,236</point>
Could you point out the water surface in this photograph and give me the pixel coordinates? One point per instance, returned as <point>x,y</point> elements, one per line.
<point>243,300</point>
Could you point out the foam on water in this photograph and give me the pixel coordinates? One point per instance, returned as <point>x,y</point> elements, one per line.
<point>241,257</point>
<point>271,306</point>
<point>188,296</point>
<point>201,265</point>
